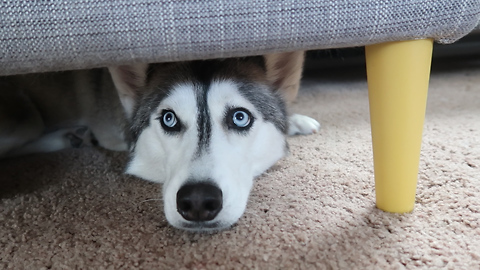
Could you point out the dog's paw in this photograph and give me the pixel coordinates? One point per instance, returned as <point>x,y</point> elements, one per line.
<point>79,137</point>
<point>302,125</point>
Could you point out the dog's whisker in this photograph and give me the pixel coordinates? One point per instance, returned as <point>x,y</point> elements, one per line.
<point>148,200</point>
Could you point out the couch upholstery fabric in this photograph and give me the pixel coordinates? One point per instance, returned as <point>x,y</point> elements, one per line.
<point>40,36</point>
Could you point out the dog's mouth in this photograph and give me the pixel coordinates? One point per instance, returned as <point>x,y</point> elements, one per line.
<point>202,226</point>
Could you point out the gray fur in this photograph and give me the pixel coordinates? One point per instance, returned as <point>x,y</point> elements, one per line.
<point>267,102</point>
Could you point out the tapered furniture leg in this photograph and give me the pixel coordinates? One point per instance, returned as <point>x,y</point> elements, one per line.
<point>398,74</point>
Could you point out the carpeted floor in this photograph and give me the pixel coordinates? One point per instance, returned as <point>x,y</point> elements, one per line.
<point>313,210</point>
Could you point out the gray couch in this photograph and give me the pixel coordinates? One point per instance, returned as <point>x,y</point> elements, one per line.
<point>39,36</point>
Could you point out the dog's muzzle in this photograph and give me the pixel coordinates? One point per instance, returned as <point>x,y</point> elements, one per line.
<point>199,202</point>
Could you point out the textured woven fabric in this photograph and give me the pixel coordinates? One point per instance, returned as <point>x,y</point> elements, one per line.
<point>56,34</point>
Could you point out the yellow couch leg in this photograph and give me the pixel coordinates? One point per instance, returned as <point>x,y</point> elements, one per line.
<point>398,75</point>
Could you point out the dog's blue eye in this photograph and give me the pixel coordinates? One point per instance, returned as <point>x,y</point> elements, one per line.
<point>169,121</point>
<point>239,118</point>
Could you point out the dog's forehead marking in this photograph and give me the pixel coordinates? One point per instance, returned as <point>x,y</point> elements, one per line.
<point>204,123</point>
<point>213,98</point>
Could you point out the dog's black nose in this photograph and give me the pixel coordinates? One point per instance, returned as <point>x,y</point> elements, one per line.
<point>199,201</point>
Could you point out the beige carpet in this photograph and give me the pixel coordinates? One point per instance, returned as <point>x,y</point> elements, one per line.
<point>314,210</point>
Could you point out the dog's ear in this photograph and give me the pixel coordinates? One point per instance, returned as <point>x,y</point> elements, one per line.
<point>129,80</point>
<point>284,71</point>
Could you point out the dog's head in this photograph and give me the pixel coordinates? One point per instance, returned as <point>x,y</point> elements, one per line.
<point>204,129</point>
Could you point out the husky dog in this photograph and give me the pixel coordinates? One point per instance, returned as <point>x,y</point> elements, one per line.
<point>205,129</point>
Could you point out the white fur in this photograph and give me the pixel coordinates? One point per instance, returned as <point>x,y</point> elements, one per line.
<point>232,161</point>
